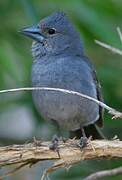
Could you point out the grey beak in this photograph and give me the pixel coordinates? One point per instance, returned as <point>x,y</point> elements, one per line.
<point>34,33</point>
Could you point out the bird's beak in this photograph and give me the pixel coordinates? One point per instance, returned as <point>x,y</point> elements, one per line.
<point>34,33</point>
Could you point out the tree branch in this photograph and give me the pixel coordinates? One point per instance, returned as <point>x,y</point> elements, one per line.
<point>119,33</point>
<point>105,173</point>
<point>109,47</point>
<point>70,153</point>
<point>112,111</point>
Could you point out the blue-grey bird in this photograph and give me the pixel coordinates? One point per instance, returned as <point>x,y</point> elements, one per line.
<point>59,61</point>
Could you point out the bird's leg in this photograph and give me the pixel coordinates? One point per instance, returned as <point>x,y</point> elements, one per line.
<point>59,132</point>
<point>83,139</point>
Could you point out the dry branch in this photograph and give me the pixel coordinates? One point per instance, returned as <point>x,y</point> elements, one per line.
<point>104,173</point>
<point>119,33</point>
<point>109,47</point>
<point>70,153</point>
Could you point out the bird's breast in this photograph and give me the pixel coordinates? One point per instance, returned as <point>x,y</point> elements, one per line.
<point>68,73</point>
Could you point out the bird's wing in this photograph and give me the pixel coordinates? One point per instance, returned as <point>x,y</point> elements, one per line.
<point>100,98</point>
<point>99,122</point>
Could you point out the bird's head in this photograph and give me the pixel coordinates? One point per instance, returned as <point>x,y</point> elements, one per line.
<point>54,35</point>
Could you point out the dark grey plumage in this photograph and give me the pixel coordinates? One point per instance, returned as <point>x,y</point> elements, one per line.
<point>60,62</point>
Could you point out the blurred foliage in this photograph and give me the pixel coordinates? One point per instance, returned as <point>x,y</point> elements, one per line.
<point>95,19</point>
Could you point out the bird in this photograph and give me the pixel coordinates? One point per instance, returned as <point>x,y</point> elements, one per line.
<point>60,61</point>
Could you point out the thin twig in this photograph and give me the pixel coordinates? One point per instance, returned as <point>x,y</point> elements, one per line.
<point>111,48</point>
<point>112,111</point>
<point>119,33</point>
<point>105,173</point>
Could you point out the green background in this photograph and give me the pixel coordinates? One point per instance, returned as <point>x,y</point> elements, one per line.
<point>95,19</point>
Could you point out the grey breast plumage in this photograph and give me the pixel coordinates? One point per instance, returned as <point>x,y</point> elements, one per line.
<point>71,73</point>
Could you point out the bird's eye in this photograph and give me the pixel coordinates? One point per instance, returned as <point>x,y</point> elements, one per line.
<point>51,31</point>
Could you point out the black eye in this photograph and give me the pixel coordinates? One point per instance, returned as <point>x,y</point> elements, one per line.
<point>51,31</point>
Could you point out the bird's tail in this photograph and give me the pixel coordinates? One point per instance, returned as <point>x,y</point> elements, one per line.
<point>91,130</point>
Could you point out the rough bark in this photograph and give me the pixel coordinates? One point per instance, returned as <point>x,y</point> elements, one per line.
<point>69,152</point>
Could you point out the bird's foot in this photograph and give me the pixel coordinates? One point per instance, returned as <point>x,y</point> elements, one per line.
<point>83,142</point>
<point>54,145</point>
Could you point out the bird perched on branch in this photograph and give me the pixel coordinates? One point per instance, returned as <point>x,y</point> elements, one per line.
<point>60,62</point>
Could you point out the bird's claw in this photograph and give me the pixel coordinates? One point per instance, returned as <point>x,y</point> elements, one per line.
<point>83,142</point>
<point>54,145</point>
